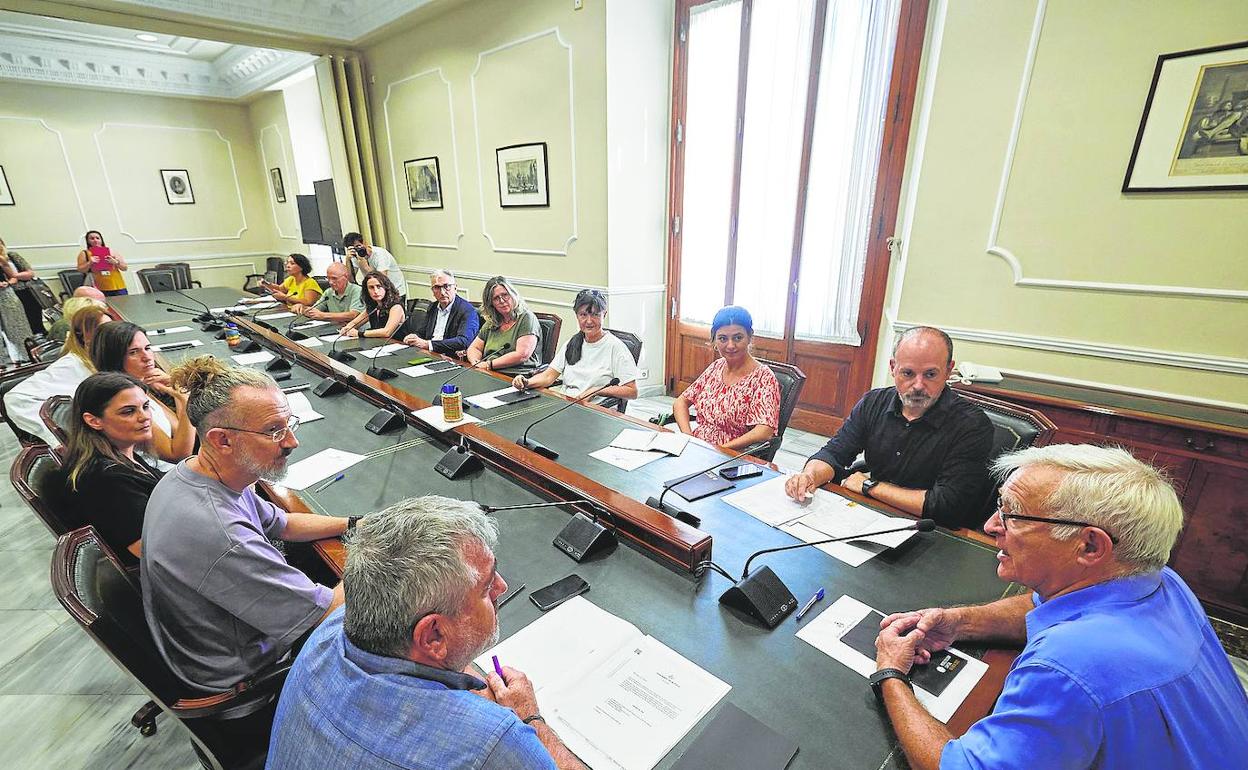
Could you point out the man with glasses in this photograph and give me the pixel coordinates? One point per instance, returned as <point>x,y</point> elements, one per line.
<point>1120,667</point>
<point>221,601</point>
<point>342,303</point>
<point>451,323</point>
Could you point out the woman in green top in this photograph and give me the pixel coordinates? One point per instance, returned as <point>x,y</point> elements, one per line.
<point>507,323</point>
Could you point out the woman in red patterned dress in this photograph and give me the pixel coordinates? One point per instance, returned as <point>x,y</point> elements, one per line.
<point>737,399</point>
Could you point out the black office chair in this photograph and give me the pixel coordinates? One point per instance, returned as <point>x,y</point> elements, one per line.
<point>274,272</point>
<point>29,471</point>
<point>10,380</point>
<point>155,279</point>
<point>417,312</point>
<point>47,351</point>
<point>181,275</point>
<point>95,590</point>
<point>56,414</point>
<point>1014,427</point>
<point>322,281</point>
<point>633,343</point>
<point>550,325</point>
<point>71,280</point>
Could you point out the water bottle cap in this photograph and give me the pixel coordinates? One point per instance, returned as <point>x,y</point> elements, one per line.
<point>449,388</point>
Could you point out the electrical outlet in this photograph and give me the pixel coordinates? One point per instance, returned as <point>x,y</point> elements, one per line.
<point>578,4</point>
<point>645,374</point>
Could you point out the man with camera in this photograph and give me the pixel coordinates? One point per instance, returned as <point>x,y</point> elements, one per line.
<point>374,259</point>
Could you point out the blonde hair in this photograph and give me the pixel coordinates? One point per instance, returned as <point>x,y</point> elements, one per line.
<point>1108,488</point>
<point>83,321</point>
<point>210,386</point>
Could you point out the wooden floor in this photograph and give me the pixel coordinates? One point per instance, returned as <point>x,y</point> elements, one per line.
<point>64,704</point>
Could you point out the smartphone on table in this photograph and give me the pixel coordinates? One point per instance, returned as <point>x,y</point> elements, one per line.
<point>558,592</point>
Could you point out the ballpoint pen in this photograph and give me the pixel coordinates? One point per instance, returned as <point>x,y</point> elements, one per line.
<point>324,485</point>
<point>497,668</point>
<point>511,595</point>
<point>809,603</point>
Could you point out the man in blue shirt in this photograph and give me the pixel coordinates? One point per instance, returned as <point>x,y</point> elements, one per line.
<point>384,684</point>
<point>1120,668</point>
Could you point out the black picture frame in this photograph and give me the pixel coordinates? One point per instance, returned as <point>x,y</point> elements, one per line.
<point>279,188</point>
<point>6,192</point>
<point>523,175</point>
<point>424,183</point>
<point>177,184</point>
<point>1204,136</point>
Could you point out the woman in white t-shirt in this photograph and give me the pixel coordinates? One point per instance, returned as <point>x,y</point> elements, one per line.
<point>591,358</point>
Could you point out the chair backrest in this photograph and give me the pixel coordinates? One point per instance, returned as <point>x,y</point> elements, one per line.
<point>276,266</point>
<point>417,310</point>
<point>156,279</point>
<point>56,413</point>
<point>792,380</point>
<point>71,280</point>
<point>10,380</point>
<point>1014,427</point>
<point>322,281</point>
<point>181,274</point>
<point>47,351</point>
<point>551,324</point>
<point>28,473</point>
<point>631,341</point>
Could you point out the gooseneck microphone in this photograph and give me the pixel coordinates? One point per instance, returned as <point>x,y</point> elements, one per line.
<point>291,333</point>
<point>176,308</point>
<point>581,537</point>
<point>339,355</point>
<point>494,508</point>
<point>438,398</point>
<point>542,449</point>
<point>763,596</point>
<point>206,316</point>
<point>685,516</point>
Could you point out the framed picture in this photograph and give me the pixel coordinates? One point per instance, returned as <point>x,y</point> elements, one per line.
<point>1194,131</point>
<point>279,190</point>
<point>177,185</point>
<point>522,173</point>
<point>424,183</point>
<point>6,192</point>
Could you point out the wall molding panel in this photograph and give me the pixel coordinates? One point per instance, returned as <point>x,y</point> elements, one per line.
<point>400,193</point>
<point>540,283</point>
<point>493,180</point>
<point>285,167</point>
<point>69,169</point>
<point>112,194</point>
<point>996,249</point>
<point>1135,355</point>
<point>192,258</point>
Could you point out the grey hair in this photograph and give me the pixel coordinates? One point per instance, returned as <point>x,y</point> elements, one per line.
<point>447,274</point>
<point>1108,488</point>
<point>210,386</point>
<point>406,562</point>
<point>923,331</point>
<point>493,318</point>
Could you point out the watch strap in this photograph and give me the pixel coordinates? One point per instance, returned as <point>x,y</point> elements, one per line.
<point>869,485</point>
<point>877,679</point>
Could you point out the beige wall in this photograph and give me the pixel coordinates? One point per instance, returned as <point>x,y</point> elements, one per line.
<point>272,138</point>
<point>1042,265</point>
<point>82,159</point>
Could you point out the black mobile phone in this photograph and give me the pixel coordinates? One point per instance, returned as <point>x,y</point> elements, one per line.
<point>558,592</point>
<point>742,471</point>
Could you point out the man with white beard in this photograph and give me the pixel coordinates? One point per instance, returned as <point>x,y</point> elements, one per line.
<point>926,447</point>
<point>382,683</point>
<point>221,601</point>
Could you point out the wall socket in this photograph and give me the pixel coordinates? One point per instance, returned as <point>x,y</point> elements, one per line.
<point>578,4</point>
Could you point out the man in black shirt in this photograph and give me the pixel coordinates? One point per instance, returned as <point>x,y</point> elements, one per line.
<point>926,447</point>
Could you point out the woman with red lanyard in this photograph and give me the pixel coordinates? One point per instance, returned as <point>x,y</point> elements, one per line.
<point>102,265</point>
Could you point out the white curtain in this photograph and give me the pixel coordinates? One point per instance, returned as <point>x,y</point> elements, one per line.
<point>710,115</point>
<point>849,126</point>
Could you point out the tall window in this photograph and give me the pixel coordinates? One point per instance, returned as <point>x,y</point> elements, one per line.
<point>779,177</point>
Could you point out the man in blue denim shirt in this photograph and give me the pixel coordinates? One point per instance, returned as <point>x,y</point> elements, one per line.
<point>383,683</point>
<point>1121,668</point>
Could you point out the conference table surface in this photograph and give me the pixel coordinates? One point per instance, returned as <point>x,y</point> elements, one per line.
<point>787,684</point>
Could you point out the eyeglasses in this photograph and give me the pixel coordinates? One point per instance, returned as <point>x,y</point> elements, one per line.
<point>443,287</point>
<point>1004,519</point>
<point>276,435</point>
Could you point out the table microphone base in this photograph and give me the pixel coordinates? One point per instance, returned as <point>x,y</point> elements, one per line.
<point>342,356</point>
<point>762,596</point>
<point>537,446</point>
<point>384,421</point>
<point>674,512</point>
<point>583,537</point>
<point>456,462</point>
<point>329,387</point>
<point>246,346</point>
<point>381,373</point>
<point>277,365</point>
<point>296,335</point>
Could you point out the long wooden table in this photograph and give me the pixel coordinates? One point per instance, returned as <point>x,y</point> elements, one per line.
<point>782,681</point>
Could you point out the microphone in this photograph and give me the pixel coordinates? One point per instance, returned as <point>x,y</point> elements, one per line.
<point>174,308</point>
<point>291,333</point>
<point>339,355</point>
<point>494,508</point>
<point>207,314</point>
<point>387,417</point>
<point>685,516</point>
<point>581,537</point>
<point>544,450</point>
<point>438,398</point>
<point>763,596</point>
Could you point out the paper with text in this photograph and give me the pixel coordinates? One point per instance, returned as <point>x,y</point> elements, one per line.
<point>384,350</point>
<point>246,359</point>
<point>301,407</point>
<point>319,466</point>
<point>626,459</point>
<point>432,416</point>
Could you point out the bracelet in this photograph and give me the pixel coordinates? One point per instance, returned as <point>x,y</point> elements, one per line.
<point>491,363</point>
<point>352,521</point>
<point>534,718</point>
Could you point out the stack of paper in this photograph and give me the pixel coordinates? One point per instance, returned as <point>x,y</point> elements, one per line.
<point>430,368</point>
<point>617,697</point>
<point>301,407</point>
<point>321,465</point>
<point>170,330</point>
<point>247,359</point>
<point>384,350</point>
<point>275,316</point>
<point>651,441</point>
<point>432,416</point>
<point>177,345</point>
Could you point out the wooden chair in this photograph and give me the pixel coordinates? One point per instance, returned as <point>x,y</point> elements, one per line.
<point>94,589</point>
<point>10,380</point>
<point>56,414</point>
<point>29,471</point>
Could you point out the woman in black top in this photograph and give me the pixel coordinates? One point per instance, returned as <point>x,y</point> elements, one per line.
<point>383,310</point>
<point>104,483</point>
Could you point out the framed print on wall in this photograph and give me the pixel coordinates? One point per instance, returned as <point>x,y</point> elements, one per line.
<point>424,183</point>
<point>1193,134</point>
<point>279,190</point>
<point>177,185</point>
<point>522,175</point>
<point>6,192</point>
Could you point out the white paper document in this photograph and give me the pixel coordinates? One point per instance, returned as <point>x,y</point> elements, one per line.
<point>766,501</point>
<point>432,416</point>
<point>170,330</point>
<point>420,370</point>
<point>310,342</point>
<point>301,407</point>
<point>384,350</point>
<point>319,466</point>
<point>275,316</point>
<point>247,359</point>
<point>330,337</point>
<point>177,345</point>
<point>651,440</point>
<point>617,698</point>
<point>830,633</point>
<point>626,459</point>
<point>490,400</point>
<point>309,325</point>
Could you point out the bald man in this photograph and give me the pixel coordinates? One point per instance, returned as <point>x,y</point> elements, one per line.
<point>926,447</point>
<point>341,303</point>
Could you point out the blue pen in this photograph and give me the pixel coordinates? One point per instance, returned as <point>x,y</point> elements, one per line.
<point>810,603</point>
<point>326,484</point>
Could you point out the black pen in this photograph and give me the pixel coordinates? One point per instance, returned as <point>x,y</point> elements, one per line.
<point>511,596</point>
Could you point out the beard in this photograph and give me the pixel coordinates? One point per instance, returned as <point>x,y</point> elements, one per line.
<point>460,662</point>
<point>272,471</point>
<point>916,400</point>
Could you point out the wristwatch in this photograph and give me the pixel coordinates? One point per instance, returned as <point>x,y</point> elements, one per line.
<point>877,679</point>
<point>352,521</point>
<point>869,485</point>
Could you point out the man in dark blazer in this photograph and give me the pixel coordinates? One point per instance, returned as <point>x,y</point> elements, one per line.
<point>451,323</point>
